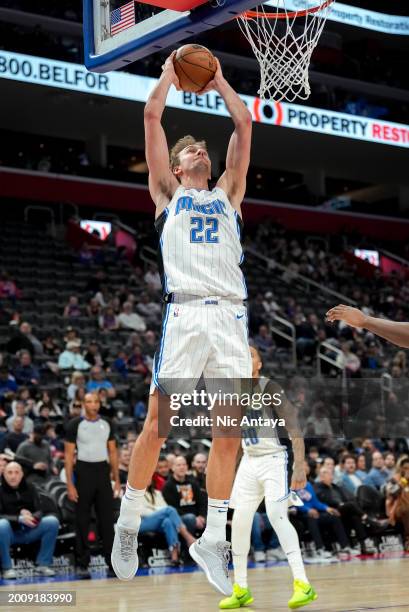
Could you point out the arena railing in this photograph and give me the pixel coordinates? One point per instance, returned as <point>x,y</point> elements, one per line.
<point>306,282</point>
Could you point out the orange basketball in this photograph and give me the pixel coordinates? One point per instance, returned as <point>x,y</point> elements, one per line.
<point>195,67</point>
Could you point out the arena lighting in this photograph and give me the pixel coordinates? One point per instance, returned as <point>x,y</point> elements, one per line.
<point>371,257</point>
<point>100,229</point>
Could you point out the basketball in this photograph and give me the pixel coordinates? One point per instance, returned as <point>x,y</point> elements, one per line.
<point>195,67</point>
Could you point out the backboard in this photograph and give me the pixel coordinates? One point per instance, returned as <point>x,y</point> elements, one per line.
<point>117,32</point>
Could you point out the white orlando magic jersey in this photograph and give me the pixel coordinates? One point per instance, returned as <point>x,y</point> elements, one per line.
<point>200,245</point>
<point>260,440</point>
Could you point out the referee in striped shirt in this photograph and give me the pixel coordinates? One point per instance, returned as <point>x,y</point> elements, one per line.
<point>97,459</point>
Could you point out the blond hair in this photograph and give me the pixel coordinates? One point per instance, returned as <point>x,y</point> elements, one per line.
<point>181,144</point>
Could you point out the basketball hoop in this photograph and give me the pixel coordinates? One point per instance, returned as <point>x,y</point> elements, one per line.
<point>283,41</point>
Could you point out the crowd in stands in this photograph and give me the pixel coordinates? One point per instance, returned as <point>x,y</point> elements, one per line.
<point>357,489</point>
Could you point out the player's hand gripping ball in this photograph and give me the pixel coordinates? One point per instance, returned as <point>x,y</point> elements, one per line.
<point>195,67</point>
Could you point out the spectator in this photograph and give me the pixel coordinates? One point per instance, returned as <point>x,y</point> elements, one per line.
<point>361,470</point>
<point>349,360</point>
<point>108,321</point>
<point>55,442</point>
<point>93,308</point>
<point>397,499</point>
<point>198,471</point>
<point>28,424</point>
<point>137,362</point>
<point>35,454</point>
<point>47,401</point>
<point>51,348</point>
<point>93,356</point>
<point>25,373</point>
<point>86,256</point>
<point>390,463</point>
<point>158,517</point>
<point>124,460</point>
<point>149,343</point>
<point>26,330</point>
<point>306,333</point>
<point>152,278</point>
<point>349,479</point>
<point>71,335</point>
<point>3,463</point>
<point>378,474</point>
<point>71,358</point>
<point>8,385</point>
<point>317,517</point>
<point>15,437</point>
<point>182,492</point>
<point>340,498</point>
<point>25,523</point>
<point>23,395</point>
<point>8,289</point>
<point>18,341</point>
<point>161,473</point>
<point>77,382</point>
<point>140,411</point>
<point>120,364</point>
<point>99,381</point>
<point>131,320</point>
<point>264,341</point>
<point>75,409</point>
<point>72,309</point>
<point>149,309</point>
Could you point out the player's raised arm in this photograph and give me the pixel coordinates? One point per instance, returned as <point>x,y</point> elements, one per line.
<point>233,180</point>
<point>162,183</point>
<point>395,332</point>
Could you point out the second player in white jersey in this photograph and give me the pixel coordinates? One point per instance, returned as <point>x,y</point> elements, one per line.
<point>258,440</point>
<point>200,245</point>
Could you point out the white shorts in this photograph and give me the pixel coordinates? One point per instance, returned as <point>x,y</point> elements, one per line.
<point>260,477</point>
<point>202,336</point>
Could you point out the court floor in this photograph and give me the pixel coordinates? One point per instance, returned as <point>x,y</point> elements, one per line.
<point>381,585</point>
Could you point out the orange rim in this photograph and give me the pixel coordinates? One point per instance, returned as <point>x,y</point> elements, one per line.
<point>310,11</point>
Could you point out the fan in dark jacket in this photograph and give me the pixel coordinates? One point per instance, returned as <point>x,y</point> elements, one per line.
<point>22,522</point>
<point>340,498</point>
<point>183,493</point>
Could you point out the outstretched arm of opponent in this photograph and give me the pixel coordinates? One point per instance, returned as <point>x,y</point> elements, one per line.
<point>233,180</point>
<point>395,332</point>
<point>162,183</point>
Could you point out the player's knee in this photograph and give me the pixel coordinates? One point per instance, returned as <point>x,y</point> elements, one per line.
<point>151,430</point>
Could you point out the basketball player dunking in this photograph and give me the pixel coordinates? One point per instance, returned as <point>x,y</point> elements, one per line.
<point>204,329</point>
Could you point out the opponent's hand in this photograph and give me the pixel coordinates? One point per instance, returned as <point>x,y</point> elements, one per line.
<point>215,82</point>
<point>352,316</point>
<point>168,68</point>
<point>299,479</point>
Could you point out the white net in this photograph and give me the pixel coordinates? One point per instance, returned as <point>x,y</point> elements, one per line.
<point>283,40</point>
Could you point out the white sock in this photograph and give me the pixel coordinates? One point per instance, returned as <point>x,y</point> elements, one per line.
<point>240,570</point>
<point>277,513</point>
<point>216,520</point>
<point>131,507</point>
